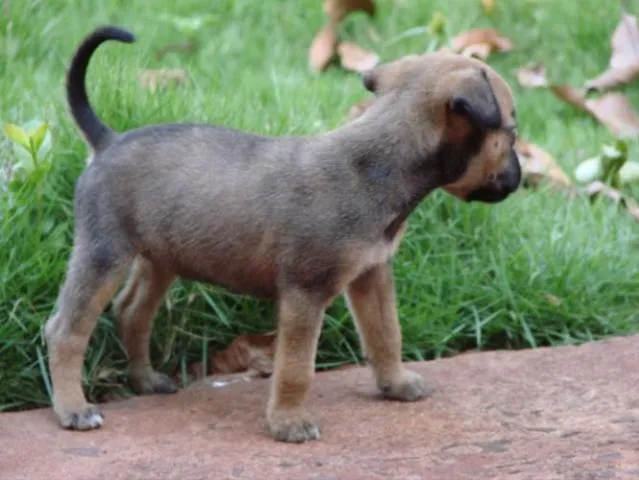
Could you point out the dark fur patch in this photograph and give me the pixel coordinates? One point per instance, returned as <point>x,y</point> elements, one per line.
<point>479,105</point>
<point>102,258</point>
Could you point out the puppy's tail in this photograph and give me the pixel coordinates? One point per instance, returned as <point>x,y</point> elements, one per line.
<point>96,132</point>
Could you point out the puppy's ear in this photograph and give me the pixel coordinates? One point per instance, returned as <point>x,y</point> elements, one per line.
<point>369,80</point>
<point>475,100</point>
<point>388,76</point>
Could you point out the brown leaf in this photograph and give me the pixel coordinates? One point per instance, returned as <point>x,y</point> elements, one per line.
<point>532,76</point>
<point>322,48</point>
<point>162,77</point>
<point>624,61</point>
<point>574,96</point>
<point>600,188</point>
<point>476,36</point>
<point>336,10</point>
<point>539,167</point>
<point>612,110</point>
<point>615,112</point>
<point>244,353</point>
<point>355,58</point>
<point>477,50</point>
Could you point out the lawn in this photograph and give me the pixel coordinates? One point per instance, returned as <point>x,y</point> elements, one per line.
<point>536,270</point>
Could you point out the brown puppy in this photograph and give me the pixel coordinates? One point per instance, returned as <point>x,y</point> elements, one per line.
<point>296,219</point>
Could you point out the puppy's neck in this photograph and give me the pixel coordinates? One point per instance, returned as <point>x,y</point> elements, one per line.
<point>390,157</point>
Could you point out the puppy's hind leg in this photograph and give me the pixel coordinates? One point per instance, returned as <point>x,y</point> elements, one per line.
<point>371,300</point>
<point>135,308</point>
<point>94,275</point>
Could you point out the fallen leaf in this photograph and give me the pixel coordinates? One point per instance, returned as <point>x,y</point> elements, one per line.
<point>477,50</point>
<point>615,112</point>
<point>322,48</point>
<point>601,189</point>
<point>612,110</point>
<point>574,96</point>
<point>488,5</point>
<point>246,352</point>
<point>355,58</point>
<point>323,45</point>
<point>162,77</point>
<point>539,167</point>
<point>336,10</point>
<point>532,76</point>
<point>477,36</point>
<point>624,61</point>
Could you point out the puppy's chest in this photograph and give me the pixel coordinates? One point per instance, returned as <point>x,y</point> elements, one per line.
<point>382,251</point>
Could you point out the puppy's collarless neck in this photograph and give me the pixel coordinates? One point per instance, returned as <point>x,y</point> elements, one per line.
<point>394,169</point>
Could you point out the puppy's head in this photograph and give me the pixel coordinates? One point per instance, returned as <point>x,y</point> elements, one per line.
<point>465,112</point>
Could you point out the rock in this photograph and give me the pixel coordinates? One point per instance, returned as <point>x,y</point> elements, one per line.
<point>554,413</point>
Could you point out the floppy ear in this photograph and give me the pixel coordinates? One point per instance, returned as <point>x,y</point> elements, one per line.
<point>388,76</point>
<point>476,100</point>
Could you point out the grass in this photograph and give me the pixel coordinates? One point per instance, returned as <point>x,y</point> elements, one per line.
<point>536,270</point>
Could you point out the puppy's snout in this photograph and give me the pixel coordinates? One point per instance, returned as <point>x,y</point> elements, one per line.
<point>504,184</point>
<point>511,178</point>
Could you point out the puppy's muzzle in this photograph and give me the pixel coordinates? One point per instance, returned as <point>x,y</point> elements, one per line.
<point>501,186</point>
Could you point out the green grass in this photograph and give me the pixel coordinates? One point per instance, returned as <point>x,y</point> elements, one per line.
<point>468,276</point>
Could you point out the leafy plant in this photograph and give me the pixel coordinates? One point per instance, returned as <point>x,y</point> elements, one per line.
<point>32,148</point>
<point>611,166</point>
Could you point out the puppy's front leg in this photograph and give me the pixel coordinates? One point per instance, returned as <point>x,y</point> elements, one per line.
<point>299,324</point>
<point>371,300</point>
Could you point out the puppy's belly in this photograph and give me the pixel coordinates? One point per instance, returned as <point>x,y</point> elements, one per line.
<point>249,279</point>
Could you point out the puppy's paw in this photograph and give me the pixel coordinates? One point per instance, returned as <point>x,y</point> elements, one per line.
<point>86,418</point>
<point>293,428</point>
<point>152,382</point>
<point>409,387</point>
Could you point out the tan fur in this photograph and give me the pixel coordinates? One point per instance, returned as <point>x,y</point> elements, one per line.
<point>299,220</point>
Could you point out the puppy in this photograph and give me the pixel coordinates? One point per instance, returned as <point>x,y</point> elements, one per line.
<point>299,220</point>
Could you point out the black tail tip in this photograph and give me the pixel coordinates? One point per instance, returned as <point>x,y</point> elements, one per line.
<point>111,32</point>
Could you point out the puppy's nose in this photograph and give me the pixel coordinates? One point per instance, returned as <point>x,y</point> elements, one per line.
<point>510,180</point>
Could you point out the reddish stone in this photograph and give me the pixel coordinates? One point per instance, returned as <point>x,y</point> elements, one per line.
<point>569,413</point>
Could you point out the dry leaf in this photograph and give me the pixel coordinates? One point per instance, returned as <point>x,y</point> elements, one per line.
<point>600,188</point>
<point>162,77</point>
<point>355,58</point>
<point>324,43</point>
<point>612,110</point>
<point>336,10</point>
<point>532,76</point>
<point>538,166</point>
<point>477,50</point>
<point>615,112</point>
<point>574,96</point>
<point>477,36</point>
<point>322,48</point>
<point>246,352</point>
<point>624,61</point>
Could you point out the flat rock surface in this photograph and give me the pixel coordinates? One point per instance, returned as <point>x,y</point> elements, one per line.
<point>560,413</point>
